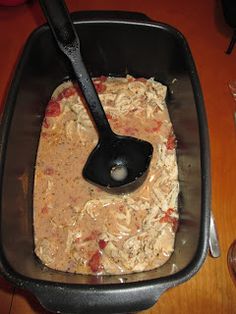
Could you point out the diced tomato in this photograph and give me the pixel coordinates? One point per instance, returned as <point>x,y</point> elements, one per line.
<point>109,116</point>
<point>169,211</point>
<point>53,109</point>
<point>130,130</point>
<point>69,92</point>
<point>131,79</point>
<point>44,210</point>
<point>175,224</point>
<point>94,262</point>
<point>66,93</point>
<point>100,87</point>
<point>170,142</point>
<point>102,244</point>
<point>45,123</point>
<point>60,97</point>
<point>157,126</point>
<point>49,171</point>
<point>167,218</point>
<point>141,79</point>
<point>101,78</point>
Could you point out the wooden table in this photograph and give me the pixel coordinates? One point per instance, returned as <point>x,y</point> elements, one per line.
<point>202,23</point>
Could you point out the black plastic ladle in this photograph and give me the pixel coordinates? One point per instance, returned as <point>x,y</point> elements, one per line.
<point>119,163</point>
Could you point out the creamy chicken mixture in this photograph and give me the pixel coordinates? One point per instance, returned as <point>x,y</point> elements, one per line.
<point>79,227</point>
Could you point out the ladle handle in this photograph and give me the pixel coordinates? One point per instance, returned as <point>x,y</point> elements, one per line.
<point>68,41</point>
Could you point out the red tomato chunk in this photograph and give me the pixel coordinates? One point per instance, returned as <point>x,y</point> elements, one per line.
<point>141,79</point>
<point>167,218</point>
<point>175,224</point>
<point>109,116</point>
<point>169,211</point>
<point>94,262</point>
<point>130,130</point>
<point>45,123</point>
<point>66,93</point>
<point>100,87</point>
<point>102,244</point>
<point>170,145</point>
<point>69,92</point>
<point>44,210</point>
<point>53,109</point>
<point>157,126</point>
<point>101,78</point>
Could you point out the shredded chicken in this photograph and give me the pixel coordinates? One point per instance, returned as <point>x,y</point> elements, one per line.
<point>83,229</point>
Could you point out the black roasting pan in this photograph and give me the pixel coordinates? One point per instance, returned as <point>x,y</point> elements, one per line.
<point>112,43</point>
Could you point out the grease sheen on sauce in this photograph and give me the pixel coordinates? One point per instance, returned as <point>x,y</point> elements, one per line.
<point>82,229</point>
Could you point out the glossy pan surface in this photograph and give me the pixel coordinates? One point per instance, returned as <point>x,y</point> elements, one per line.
<point>110,45</point>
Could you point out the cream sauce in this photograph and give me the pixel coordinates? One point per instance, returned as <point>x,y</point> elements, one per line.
<point>80,228</point>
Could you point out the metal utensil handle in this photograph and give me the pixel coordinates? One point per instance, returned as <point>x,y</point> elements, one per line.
<point>214,245</point>
<point>68,41</point>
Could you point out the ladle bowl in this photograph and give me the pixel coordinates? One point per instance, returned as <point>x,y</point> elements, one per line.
<point>114,162</point>
<point>117,161</point>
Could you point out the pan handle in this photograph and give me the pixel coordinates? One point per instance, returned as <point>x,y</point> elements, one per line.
<point>99,299</point>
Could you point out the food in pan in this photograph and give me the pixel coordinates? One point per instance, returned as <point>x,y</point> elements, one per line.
<point>80,228</point>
